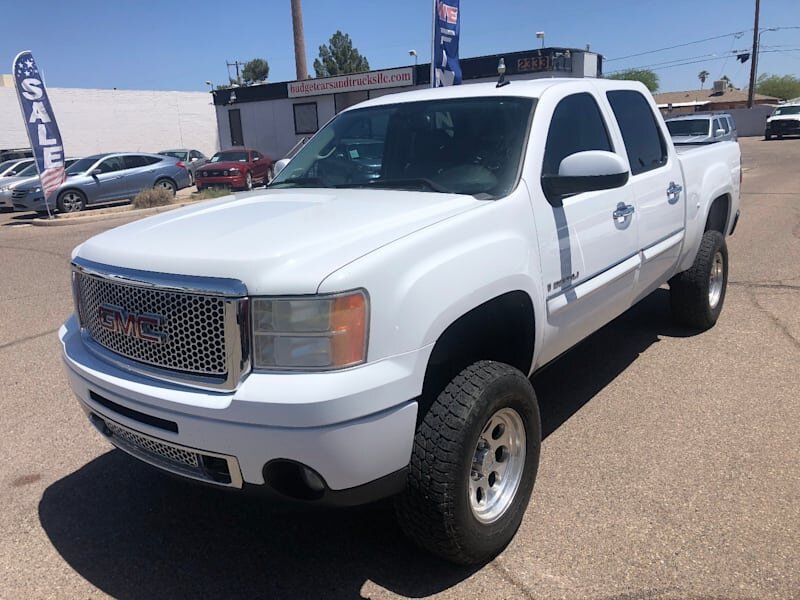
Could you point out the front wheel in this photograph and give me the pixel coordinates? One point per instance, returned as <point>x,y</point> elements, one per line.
<point>473,465</point>
<point>71,201</point>
<point>696,296</point>
<point>248,182</point>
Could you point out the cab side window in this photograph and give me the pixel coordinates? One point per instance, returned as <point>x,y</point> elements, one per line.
<point>644,143</point>
<point>577,126</point>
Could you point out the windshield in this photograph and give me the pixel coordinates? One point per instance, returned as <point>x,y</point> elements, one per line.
<point>786,110</point>
<point>81,165</point>
<point>179,154</point>
<point>229,157</point>
<point>689,127</point>
<point>4,166</point>
<point>28,171</point>
<point>461,146</point>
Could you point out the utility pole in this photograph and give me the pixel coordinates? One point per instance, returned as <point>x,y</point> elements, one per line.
<point>299,41</point>
<point>234,64</point>
<point>751,91</point>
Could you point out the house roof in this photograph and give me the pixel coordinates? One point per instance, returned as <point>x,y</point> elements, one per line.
<point>707,96</point>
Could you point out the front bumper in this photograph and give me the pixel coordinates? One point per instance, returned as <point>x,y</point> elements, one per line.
<point>353,428</point>
<point>31,202</point>
<point>783,127</point>
<point>237,181</point>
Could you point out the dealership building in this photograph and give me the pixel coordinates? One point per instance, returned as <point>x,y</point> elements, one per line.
<point>274,117</point>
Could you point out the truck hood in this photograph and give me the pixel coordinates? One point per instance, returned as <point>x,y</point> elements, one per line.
<point>795,117</point>
<point>278,242</point>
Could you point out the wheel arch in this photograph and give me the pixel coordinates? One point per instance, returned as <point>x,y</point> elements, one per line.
<point>719,214</point>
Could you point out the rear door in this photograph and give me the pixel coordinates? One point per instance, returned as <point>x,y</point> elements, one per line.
<point>588,242</point>
<point>138,173</point>
<point>657,183</point>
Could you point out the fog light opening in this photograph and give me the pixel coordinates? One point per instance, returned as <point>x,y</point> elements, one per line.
<point>294,480</point>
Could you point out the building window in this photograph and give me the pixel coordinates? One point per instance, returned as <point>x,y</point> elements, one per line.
<point>235,120</point>
<point>305,118</point>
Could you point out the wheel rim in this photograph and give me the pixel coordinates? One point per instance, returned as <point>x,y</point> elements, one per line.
<point>71,202</point>
<point>249,182</point>
<point>716,280</point>
<point>497,466</point>
<point>166,185</point>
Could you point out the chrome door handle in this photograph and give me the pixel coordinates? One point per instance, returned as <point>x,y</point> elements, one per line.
<point>623,211</point>
<point>674,192</point>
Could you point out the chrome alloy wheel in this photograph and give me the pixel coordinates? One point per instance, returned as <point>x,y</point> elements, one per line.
<point>71,202</point>
<point>716,280</point>
<point>166,184</point>
<point>497,466</point>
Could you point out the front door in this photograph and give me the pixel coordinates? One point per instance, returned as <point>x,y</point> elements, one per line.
<point>589,243</point>
<point>109,183</point>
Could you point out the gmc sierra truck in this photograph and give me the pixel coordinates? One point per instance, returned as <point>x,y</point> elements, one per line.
<point>368,325</point>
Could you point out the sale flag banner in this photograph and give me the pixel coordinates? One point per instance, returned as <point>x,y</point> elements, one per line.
<point>43,133</point>
<point>446,33</point>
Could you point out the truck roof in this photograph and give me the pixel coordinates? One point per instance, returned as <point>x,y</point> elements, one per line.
<point>526,88</point>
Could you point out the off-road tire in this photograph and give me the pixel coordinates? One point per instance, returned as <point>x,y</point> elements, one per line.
<point>690,300</point>
<point>435,509</point>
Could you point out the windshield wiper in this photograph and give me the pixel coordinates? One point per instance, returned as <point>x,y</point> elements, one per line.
<point>300,182</point>
<point>405,183</point>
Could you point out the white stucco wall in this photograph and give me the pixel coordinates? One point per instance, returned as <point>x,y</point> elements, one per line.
<point>94,121</point>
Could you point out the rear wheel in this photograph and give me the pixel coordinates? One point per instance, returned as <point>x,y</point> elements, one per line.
<point>697,295</point>
<point>167,184</point>
<point>70,201</point>
<point>473,465</point>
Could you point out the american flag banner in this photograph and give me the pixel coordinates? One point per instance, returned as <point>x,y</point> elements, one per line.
<point>43,133</point>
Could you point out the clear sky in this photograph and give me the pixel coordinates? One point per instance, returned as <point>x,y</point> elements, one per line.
<point>168,45</point>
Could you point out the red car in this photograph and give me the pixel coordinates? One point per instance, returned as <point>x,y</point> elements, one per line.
<point>239,168</point>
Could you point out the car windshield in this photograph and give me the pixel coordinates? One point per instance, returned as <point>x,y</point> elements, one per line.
<point>6,165</point>
<point>81,165</point>
<point>786,110</point>
<point>689,127</point>
<point>463,146</point>
<point>28,171</point>
<point>179,154</point>
<point>230,156</point>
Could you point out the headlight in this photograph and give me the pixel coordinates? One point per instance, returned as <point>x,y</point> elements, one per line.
<point>234,170</point>
<point>310,333</point>
<point>37,190</point>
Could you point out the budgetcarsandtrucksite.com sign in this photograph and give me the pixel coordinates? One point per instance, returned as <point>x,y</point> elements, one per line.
<point>356,82</point>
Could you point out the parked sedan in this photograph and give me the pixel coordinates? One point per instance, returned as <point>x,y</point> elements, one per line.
<point>105,178</point>
<point>193,159</point>
<point>235,168</point>
<point>10,168</point>
<point>30,174</point>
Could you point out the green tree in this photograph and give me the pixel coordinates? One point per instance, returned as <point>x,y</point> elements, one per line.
<point>646,76</point>
<point>339,57</point>
<point>728,82</point>
<point>255,70</point>
<point>702,76</point>
<point>785,87</point>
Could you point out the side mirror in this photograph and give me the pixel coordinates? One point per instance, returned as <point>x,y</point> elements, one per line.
<point>256,159</point>
<point>719,132</point>
<point>96,172</point>
<point>588,171</point>
<point>193,159</point>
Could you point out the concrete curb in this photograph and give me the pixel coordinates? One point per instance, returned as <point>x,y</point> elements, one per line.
<point>125,211</point>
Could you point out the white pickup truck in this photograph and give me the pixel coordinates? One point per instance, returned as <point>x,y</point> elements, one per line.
<point>367,326</point>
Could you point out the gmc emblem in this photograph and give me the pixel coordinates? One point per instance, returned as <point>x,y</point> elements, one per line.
<point>143,327</point>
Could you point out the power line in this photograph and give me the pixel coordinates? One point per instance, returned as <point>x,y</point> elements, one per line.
<point>716,37</point>
<point>691,61</point>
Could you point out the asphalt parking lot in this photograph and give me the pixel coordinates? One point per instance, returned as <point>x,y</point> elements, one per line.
<point>670,466</point>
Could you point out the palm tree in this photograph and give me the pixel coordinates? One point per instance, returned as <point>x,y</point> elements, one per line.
<point>702,76</point>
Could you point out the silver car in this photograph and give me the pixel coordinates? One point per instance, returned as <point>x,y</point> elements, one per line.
<point>30,174</point>
<point>10,168</point>
<point>104,178</point>
<point>699,128</point>
<point>193,159</point>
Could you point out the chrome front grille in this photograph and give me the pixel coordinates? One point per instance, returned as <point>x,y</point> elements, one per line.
<point>164,327</point>
<point>18,194</point>
<point>173,454</point>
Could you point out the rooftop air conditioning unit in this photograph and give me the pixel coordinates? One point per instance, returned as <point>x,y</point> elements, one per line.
<point>719,87</point>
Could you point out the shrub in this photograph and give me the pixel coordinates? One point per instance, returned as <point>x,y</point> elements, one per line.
<point>152,197</point>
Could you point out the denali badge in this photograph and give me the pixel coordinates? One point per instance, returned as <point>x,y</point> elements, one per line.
<point>140,326</point>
